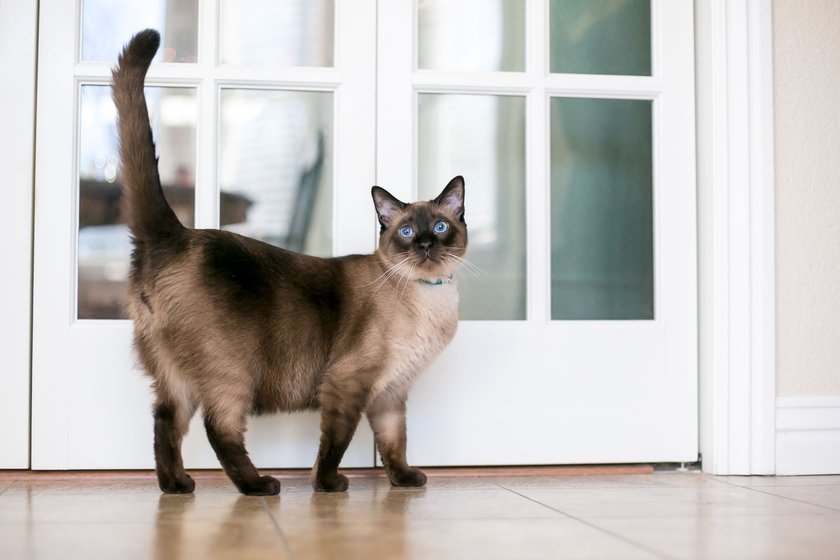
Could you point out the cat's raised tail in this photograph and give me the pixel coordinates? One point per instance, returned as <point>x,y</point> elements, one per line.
<point>149,215</point>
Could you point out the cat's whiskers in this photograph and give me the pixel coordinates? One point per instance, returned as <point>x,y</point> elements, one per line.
<point>402,277</point>
<point>467,265</point>
<point>455,266</point>
<point>391,268</point>
<point>407,279</point>
<point>386,277</point>
<point>396,272</point>
<point>470,265</point>
<point>460,273</point>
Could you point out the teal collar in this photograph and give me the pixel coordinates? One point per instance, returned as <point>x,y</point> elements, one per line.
<point>436,281</point>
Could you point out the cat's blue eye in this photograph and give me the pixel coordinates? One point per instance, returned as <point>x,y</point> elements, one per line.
<point>441,226</point>
<point>406,231</point>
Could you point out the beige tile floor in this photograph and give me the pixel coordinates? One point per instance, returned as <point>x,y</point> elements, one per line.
<point>660,515</point>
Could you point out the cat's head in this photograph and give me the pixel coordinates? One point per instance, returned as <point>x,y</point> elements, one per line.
<point>423,240</point>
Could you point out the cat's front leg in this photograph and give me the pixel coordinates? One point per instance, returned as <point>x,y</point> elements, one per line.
<point>387,419</point>
<point>342,401</point>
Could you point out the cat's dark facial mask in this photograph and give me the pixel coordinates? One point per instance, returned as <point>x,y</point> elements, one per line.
<point>423,240</point>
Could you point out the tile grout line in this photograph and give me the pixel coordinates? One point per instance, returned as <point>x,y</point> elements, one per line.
<point>286,546</point>
<point>593,526</point>
<point>12,483</point>
<point>766,493</point>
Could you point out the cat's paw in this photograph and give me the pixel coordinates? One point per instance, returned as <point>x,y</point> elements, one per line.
<point>411,478</point>
<point>333,483</point>
<point>262,486</point>
<point>179,485</point>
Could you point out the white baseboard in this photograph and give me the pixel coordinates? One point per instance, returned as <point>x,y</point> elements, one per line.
<point>807,435</point>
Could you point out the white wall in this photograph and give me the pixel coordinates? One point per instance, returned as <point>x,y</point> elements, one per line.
<point>806,51</point>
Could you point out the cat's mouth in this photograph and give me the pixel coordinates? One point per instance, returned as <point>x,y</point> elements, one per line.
<point>430,256</point>
<point>433,262</point>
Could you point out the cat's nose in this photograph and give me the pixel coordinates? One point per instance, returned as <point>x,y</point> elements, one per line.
<point>425,245</point>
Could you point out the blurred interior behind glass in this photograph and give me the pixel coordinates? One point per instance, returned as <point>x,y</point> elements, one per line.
<point>107,25</point>
<point>104,242</point>
<point>275,157</point>
<point>481,137</point>
<point>600,37</point>
<point>601,209</point>
<point>274,33</point>
<point>471,35</point>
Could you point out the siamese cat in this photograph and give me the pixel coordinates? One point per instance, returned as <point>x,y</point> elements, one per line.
<point>237,327</point>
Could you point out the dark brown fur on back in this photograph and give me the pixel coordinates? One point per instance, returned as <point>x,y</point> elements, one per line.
<point>235,326</point>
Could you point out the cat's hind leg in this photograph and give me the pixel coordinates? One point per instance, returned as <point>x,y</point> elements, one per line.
<point>173,409</point>
<point>171,422</point>
<point>387,419</point>
<point>226,431</point>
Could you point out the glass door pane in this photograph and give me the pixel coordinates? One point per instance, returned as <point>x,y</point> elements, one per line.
<point>104,241</point>
<point>275,165</point>
<point>471,35</point>
<point>600,37</point>
<point>601,209</point>
<point>272,33</point>
<point>481,137</point>
<point>107,25</point>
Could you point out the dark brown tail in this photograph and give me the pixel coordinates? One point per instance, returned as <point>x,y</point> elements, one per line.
<point>149,215</point>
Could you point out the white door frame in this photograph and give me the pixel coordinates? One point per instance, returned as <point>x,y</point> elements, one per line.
<point>67,424</point>
<point>736,236</point>
<point>18,59</point>
<point>736,232</point>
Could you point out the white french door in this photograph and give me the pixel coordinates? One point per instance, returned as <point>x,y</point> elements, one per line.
<point>263,119</point>
<point>572,122</point>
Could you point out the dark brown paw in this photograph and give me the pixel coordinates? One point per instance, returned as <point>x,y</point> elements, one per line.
<point>334,483</point>
<point>408,478</point>
<point>263,486</point>
<point>181,485</point>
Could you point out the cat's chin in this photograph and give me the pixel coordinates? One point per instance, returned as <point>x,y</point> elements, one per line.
<point>441,264</point>
<point>431,268</point>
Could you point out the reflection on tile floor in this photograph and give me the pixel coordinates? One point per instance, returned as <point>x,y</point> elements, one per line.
<point>663,515</point>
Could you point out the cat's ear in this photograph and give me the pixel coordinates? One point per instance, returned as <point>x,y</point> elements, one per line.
<point>386,205</point>
<point>452,197</point>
